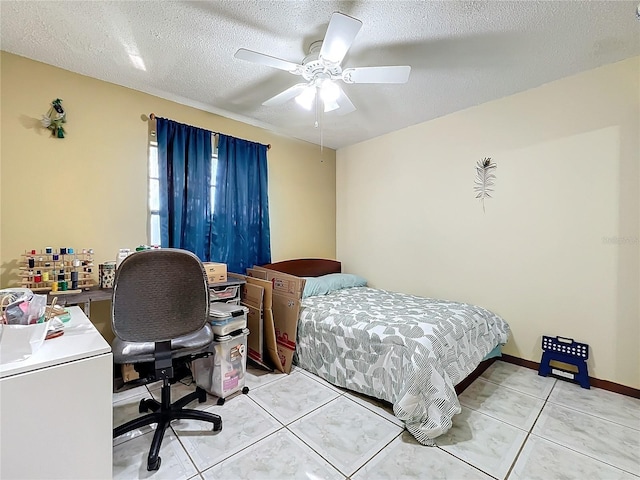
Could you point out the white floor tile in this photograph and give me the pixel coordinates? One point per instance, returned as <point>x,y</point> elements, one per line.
<point>603,440</point>
<point>345,433</point>
<point>519,378</point>
<point>243,423</point>
<point>279,456</point>
<point>544,460</point>
<point>154,385</point>
<point>127,409</point>
<point>510,406</point>
<point>377,406</point>
<point>130,392</point>
<point>292,397</point>
<point>130,459</point>
<point>179,390</point>
<point>483,441</point>
<point>406,459</point>
<point>333,433</point>
<point>257,377</point>
<point>322,381</point>
<point>607,405</point>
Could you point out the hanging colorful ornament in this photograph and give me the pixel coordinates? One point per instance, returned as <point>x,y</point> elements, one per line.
<point>54,119</point>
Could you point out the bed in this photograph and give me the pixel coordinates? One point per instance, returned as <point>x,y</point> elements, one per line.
<point>408,350</point>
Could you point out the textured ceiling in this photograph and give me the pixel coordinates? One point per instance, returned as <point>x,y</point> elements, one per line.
<point>462,53</point>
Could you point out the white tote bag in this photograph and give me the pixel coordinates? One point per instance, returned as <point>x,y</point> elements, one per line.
<point>19,342</point>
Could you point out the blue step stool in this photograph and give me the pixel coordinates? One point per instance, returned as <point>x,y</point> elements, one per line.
<point>565,350</point>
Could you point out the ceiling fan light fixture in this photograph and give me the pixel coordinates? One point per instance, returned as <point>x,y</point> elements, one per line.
<point>307,97</point>
<point>330,106</point>
<point>329,91</point>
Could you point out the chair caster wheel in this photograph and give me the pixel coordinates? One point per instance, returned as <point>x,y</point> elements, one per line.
<point>151,466</point>
<point>220,401</point>
<point>245,390</point>
<point>143,408</point>
<point>202,395</point>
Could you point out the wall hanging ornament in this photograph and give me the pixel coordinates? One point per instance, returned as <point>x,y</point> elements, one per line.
<point>54,119</point>
<point>485,176</point>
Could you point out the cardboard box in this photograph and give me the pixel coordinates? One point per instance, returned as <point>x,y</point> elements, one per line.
<point>262,319</point>
<point>251,298</point>
<point>255,341</point>
<point>286,302</point>
<point>269,331</point>
<point>216,272</point>
<point>252,295</point>
<point>257,272</point>
<point>129,372</point>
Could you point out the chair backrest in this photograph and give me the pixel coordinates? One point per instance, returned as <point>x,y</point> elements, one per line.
<point>159,295</point>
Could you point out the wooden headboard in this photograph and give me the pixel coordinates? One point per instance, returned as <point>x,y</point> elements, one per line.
<point>306,267</point>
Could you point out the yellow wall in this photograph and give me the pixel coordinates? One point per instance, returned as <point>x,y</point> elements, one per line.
<point>557,251</point>
<point>89,190</point>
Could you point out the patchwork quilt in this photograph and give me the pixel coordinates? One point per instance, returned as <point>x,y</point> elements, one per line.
<point>408,350</point>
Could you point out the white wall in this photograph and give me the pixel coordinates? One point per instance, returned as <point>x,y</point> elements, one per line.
<point>544,254</point>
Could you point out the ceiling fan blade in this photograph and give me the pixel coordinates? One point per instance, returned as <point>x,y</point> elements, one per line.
<point>269,61</point>
<point>345,104</point>
<point>340,35</point>
<point>398,74</point>
<point>288,94</point>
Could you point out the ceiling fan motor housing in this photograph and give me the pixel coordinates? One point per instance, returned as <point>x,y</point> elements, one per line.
<point>315,69</point>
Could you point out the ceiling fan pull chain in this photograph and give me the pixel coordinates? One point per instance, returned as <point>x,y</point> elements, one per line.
<point>320,117</point>
<point>316,107</point>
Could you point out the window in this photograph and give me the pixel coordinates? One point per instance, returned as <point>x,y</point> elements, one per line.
<point>154,188</point>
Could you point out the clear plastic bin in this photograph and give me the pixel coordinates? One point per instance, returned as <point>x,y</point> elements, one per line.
<point>226,318</point>
<point>223,373</point>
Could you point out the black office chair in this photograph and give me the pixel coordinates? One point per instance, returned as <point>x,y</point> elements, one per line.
<point>160,312</point>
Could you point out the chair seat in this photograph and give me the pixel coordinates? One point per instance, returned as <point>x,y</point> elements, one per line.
<point>142,352</point>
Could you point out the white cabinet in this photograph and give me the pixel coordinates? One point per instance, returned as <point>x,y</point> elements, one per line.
<point>56,416</point>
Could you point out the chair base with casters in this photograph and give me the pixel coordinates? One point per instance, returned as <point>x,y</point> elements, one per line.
<point>163,412</point>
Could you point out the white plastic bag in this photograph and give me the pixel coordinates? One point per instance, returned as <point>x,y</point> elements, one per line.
<point>20,333</point>
<point>19,342</point>
<point>21,306</point>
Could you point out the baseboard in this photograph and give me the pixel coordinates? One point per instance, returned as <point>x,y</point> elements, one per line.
<point>473,375</point>
<point>595,382</point>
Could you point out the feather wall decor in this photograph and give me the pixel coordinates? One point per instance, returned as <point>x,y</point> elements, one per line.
<point>485,177</point>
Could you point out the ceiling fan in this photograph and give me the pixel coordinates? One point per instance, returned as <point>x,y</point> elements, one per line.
<point>321,69</point>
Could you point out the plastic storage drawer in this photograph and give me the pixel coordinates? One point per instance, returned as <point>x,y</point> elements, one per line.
<point>223,293</point>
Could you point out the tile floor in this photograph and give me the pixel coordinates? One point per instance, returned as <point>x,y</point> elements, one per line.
<point>514,424</point>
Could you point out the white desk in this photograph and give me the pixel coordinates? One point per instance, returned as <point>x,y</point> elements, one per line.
<point>56,416</point>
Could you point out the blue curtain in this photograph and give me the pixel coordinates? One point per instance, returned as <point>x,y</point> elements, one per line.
<point>184,161</point>
<point>240,228</point>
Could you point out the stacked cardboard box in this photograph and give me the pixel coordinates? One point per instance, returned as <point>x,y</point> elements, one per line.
<point>216,272</point>
<point>286,300</point>
<point>273,299</point>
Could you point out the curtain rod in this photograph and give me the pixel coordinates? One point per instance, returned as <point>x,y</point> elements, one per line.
<point>152,116</point>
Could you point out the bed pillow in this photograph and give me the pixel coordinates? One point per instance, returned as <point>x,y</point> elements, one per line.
<point>329,283</point>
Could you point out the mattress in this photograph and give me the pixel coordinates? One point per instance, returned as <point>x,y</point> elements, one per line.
<point>408,350</point>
